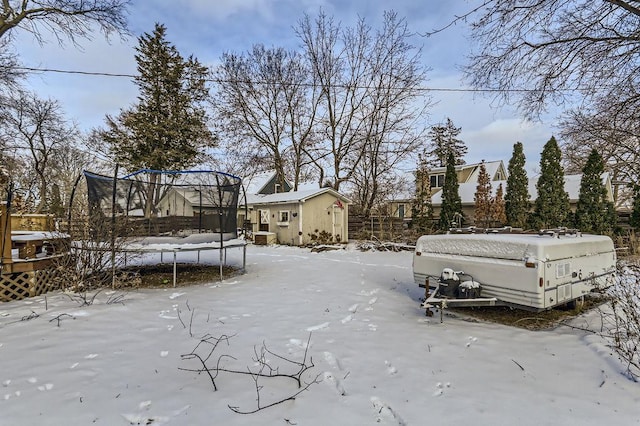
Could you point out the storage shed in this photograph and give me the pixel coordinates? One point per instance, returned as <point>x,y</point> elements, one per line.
<point>300,217</point>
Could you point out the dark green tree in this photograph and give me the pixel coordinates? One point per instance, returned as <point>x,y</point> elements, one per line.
<point>552,205</point>
<point>421,208</point>
<point>451,211</point>
<point>167,128</point>
<point>444,139</point>
<point>594,212</point>
<point>516,199</point>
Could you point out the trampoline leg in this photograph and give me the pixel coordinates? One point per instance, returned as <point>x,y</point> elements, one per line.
<point>220,260</point>
<point>244,258</point>
<point>175,269</point>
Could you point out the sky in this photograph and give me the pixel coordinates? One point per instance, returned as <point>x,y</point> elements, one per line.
<point>207,29</point>
<point>375,355</point>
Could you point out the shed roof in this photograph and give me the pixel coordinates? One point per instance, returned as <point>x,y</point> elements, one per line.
<point>292,196</point>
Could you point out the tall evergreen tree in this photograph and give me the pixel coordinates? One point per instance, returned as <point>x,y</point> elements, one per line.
<point>167,128</point>
<point>168,125</point>
<point>421,208</point>
<point>498,212</point>
<point>594,210</point>
<point>451,210</point>
<point>552,205</point>
<point>482,198</point>
<point>444,139</point>
<point>516,200</point>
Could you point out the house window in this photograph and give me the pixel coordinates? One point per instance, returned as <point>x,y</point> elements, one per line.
<point>283,218</point>
<point>277,188</point>
<point>436,181</point>
<point>401,211</point>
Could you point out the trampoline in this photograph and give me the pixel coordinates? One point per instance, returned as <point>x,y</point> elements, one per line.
<point>152,211</point>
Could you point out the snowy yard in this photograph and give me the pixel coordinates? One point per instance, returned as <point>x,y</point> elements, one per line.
<point>377,358</point>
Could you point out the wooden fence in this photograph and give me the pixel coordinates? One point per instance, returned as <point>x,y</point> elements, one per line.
<point>361,227</point>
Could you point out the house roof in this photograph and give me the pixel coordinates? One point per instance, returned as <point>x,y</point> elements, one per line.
<point>292,196</point>
<point>256,183</point>
<point>193,196</point>
<point>492,168</point>
<point>467,190</point>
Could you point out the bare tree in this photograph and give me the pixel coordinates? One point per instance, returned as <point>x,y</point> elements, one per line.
<point>616,137</point>
<point>393,110</point>
<point>37,128</point>
<point>68,161</point>
<point>367,114</point>
<point>267,102</point>
<point>338,62</point>
<point>535,52</point>
<point>444,139</point>
<point>64,19</point>
<point>10,73</point>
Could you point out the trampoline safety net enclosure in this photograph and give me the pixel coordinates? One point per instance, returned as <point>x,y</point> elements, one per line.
<point>153,211</point>
<point>166,203</point>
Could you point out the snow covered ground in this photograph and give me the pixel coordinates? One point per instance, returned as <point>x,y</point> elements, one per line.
<point>379,359</point>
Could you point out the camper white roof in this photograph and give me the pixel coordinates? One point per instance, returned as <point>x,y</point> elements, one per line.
<point>515,246</point>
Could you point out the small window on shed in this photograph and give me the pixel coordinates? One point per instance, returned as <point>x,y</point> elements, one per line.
<point>283,216</point>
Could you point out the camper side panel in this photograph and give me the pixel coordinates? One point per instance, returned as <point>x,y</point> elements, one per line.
<point>507,280</point>
<point>571,278</point>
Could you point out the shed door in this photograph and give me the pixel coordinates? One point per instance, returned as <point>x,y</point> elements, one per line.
<point>338,215</point>
<point>265,216</point>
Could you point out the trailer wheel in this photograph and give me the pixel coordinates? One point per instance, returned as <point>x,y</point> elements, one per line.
<point>576,303</point>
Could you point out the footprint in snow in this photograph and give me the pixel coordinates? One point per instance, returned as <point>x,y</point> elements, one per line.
<point>318,327</point>
<point>440,387</point>
<point>165,315</point>
<point>334,382</point>
<point>46,387</point>
<point>372,327</point>
<point>143,419</point>
<point>386,414</point>
<point>32,380</point>
<point>373,300</point>
<point>346,319</point>
<point>353,308</point>
<point>175,295</point>
<point>391,370</point>
<point>74,365</point>
<point>91,356</point>
<point>471,340</point>
<point>297,343</point>
<point>164,354</point>
<point>6,383</point>
<point>332,360</point>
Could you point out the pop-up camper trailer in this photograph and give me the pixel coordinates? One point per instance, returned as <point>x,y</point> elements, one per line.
<point>531,271</point>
